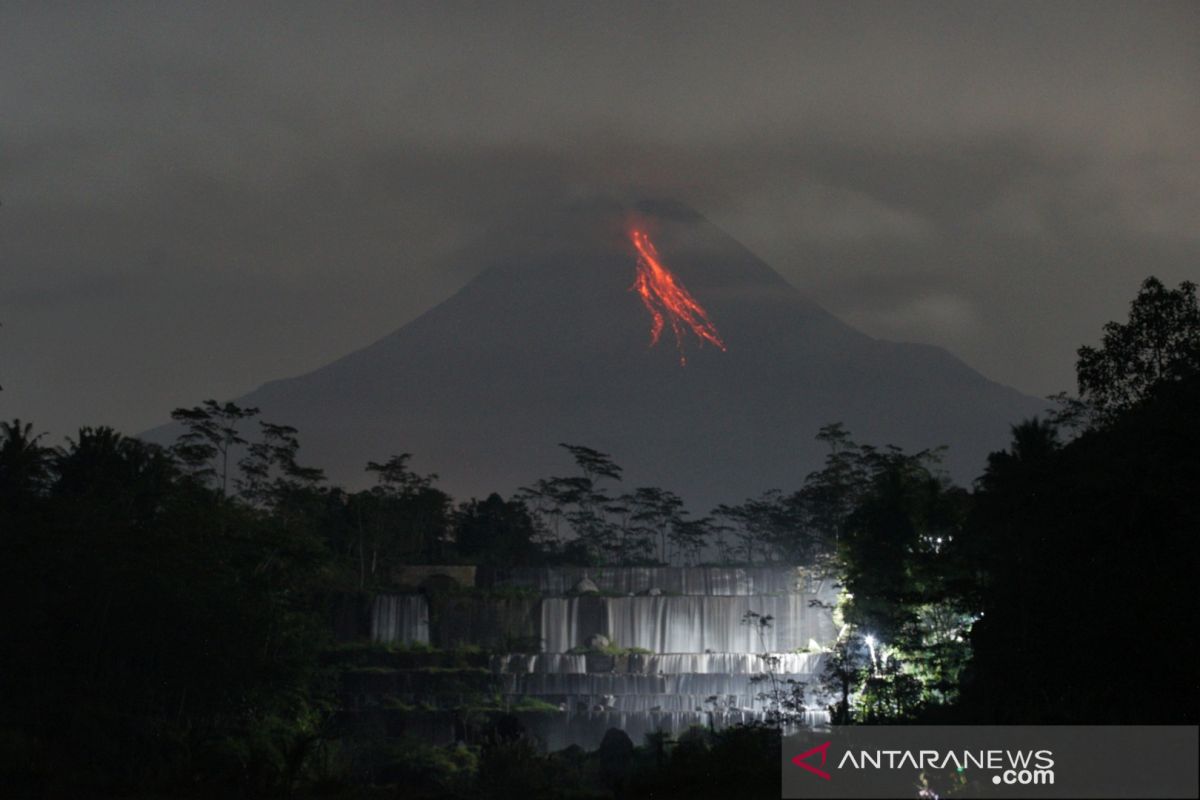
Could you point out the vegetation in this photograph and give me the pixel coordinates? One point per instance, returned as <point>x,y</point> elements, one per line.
<point>1155,348</point>
<point>169,608</point>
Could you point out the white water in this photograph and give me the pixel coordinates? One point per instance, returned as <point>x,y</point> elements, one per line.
<point>705,665</point>
<point>684,624</point>
<point>668,663</point>
<point>732,663</point>
<point>709,581</point>
<point>709,658</point>
<point>400,619</point>
<point>543,662</point>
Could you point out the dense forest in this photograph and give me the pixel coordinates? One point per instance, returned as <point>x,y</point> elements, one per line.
<point>169,627</point>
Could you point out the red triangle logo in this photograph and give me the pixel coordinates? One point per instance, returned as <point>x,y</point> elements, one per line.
<point>823,749</point>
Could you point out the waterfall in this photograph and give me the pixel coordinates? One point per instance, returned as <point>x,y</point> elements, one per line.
<point>694,662</point>
<point>541,662</point>
<point>730,663</point>
<point>695,624</point>
<point>561,630</point>
<point>707,660</point>
<point>400,619</point>
<point>598,684</point>
<point>698,624</point>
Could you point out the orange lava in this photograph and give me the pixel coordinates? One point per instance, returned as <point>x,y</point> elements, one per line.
<point>667,300</point>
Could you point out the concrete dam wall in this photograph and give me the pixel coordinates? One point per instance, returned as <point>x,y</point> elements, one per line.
<point>644,649</point>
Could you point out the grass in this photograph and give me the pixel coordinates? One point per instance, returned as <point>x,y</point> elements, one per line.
<point>496,703</point>
<point>533,704</point>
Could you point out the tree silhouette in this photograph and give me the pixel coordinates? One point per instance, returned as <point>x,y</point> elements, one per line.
<point>495,531</point>
<point>403,518</point>
<point>24,465</point>
<point>211,437</point>
<point>1083,548</point>
<point>657,512</point>
<point>1160,342</point>
<point>583,502</point>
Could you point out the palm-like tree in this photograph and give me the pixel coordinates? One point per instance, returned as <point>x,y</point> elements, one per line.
<point>24,464</point>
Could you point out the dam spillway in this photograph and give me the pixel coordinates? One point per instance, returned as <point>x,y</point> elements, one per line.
<point>573,651</point>
<point>705,581</point>
<point>400,619</point>
<point>679,624</point>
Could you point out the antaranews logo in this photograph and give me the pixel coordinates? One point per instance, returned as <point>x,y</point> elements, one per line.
<point>800,760</point>
<point>1011,767</point>
<point>1017,761</point>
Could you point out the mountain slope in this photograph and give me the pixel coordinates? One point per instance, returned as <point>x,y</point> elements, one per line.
<point>549,344</point>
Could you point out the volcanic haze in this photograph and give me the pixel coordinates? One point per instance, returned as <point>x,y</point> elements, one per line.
<point>549,343</point>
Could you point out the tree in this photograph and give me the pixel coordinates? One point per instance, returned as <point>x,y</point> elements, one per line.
<point>898,567</point>
<point>583,502</point>
<point>401,519</point>
<point>169,636</point>
<point>764,525</point>
<point>1076,547</point>
<point>890,693</point>
<point>829,495</point>
<point>396,476</point>
<point>1160,342</point>
<point>690,537</point>
<point>212,436</point>
<point>594,464</point>
<point>24,466</point>
<point>589,518</point>
<point>841,673</point>
<point>782,698</point>
<point>103,478</point>
<point>270,474</point>
<point>658,513</point>
<point>894,538</point>
<point>1085,548</point>
<point>495,531</point>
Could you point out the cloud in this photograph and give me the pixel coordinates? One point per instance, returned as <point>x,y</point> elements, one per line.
<point>222,194</point>
<point>922,318</point>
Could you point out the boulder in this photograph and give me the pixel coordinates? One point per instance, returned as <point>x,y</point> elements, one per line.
<point>585,585</point>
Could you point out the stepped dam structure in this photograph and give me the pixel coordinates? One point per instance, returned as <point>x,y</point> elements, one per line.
<point>572,652</point>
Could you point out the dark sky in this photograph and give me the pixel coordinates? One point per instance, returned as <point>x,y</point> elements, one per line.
<point>198,198</point>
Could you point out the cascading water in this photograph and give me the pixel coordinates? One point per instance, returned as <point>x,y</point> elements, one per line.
<point>518,663</point>
<point>730,663</point>
<point>707,581</point>
<point>400,619</point>
<point>644,649</point>
<point>709,661</point>
<point>670,663</point>
<point>684,624</point>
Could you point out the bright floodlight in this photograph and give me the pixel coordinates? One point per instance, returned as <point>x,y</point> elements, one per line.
<point>870,640</point>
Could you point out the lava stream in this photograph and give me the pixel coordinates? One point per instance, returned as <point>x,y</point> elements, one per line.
<point>667,299</point>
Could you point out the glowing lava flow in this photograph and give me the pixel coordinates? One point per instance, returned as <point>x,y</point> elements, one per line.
<point>666,299</point>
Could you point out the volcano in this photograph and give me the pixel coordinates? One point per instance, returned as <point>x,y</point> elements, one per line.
<point>565,336</point>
